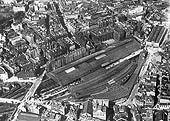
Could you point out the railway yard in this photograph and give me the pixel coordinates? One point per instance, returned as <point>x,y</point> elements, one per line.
<point>84,60</point>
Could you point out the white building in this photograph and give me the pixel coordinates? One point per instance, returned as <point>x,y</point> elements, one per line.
<point>164,107</point>
<point>168,116</point>
<point>71,16</point>
<point>15,39</point>
<point>18,8</point>
<point>164,101</point>
<point>2,40</point>
<point>3,74</point>
<point>99,106</point>
<point>70,27</point>
<point>8,1</point>
<point>136,11</point>
<point>17,27</point>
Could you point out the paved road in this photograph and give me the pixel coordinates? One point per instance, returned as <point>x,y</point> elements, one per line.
<point>34,87</point>
<point>141,75</point>
<point>132,95</point>
<point>61,18</point>
<point>29,94</point>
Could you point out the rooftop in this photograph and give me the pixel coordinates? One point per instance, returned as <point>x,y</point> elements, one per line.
<point>28,117</point>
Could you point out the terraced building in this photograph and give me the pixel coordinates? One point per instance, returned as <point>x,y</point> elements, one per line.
<point>96,74</point>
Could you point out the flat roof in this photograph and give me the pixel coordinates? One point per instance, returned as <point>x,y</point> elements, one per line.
<point>85,66</point>
<point>157,34</point>
<point>28,117</point>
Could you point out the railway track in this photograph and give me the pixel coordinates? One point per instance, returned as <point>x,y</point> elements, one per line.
<point>90,81</point>
<point>95,71</point>
<point>128,68</point>
<point>92,63</point>
<point>117,80</point>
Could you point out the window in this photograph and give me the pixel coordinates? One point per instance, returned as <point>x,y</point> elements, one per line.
<point>100,56</point>
<point>70,70</point>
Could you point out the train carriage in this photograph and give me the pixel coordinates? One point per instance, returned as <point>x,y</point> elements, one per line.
<point>91,74</point>
<point>69,74</point>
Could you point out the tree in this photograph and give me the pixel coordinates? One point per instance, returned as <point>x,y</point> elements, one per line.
<point>19,16</point>
<point>47,23</point>
<point>4,117</point>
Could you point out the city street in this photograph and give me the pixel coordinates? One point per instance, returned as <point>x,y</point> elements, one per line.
<point>75,54</point>
<point>27,97</point>
<point>143,70</point>
<point>33,88</point>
